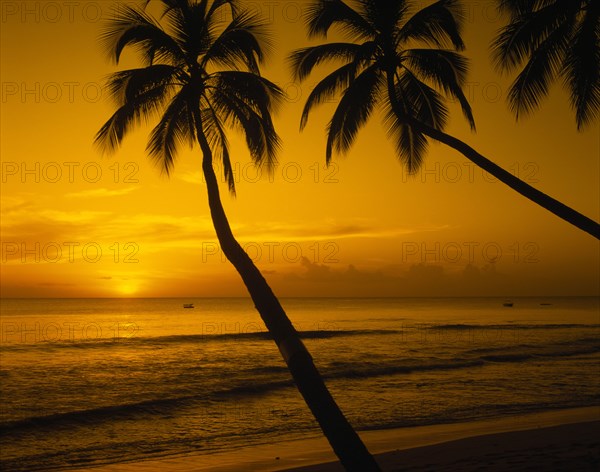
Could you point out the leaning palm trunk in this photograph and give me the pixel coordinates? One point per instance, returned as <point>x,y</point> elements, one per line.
<point>201,74</point>
<point>552,205</point>
<point>345,442</point>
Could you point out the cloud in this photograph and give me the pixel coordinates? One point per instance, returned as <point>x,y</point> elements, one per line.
<point>100,193</point>
<point>416,280</point>
<point>54,284</point>
<point>191,177</point>
<point>14,205</point>
<point>325,230</point>
<point>76,217</point>
<point>156,230</point>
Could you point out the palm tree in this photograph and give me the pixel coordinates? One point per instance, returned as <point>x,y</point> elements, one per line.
<point>201,77</point>
<point>383,67</point>
<point>555,39</point>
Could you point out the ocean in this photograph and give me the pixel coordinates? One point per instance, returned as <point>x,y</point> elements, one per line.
<point>85,382</point>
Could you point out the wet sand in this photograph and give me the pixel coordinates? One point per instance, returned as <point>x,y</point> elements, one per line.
<point>561,440</point>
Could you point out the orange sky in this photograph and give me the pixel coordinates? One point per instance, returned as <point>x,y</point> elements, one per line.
<point>75,224</point>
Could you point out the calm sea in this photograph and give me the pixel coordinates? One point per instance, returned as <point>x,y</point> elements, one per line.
<point>95,381</point>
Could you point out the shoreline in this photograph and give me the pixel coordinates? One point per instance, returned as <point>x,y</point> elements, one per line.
<point>573,446</point>
<point>547,435</point>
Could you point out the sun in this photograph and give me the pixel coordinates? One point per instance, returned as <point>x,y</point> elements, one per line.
<point>128,288</point>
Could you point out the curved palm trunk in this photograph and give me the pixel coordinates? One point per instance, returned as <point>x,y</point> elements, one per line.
<point>346,444</point>
<point>554,206</point>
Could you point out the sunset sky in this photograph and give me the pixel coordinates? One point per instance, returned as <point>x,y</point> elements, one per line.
<point>77,224</point>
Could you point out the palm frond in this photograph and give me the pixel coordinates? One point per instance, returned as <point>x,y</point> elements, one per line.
<point>327,88</point>
<point>410,144</point>
<point>174,128</point>
<point>132,112</point>
<point>246,101</point>
<point>517,41</point>
<point>133,27</point>
<point>581,71</point>
<point>240,43</point>
<point>199,30</point>
<point>353,110</point>
<point>178,15</point>
<point>532,84</point>
<point>446,69</point>
<point>218,4</point>
<point>303,61</point>
<point>323,14</point>
<point>552,38</point>
<point>382,15</point>
<point>217,140</point>
<point>438,24</point>
<point>124,86</point>
<point>255,90</point>
<point>426,104</point>
<point>518,8</point>
<point>258,130</point>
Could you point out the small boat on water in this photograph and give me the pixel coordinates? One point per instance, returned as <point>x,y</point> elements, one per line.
<point>188,305</point>
<point>508,303</point>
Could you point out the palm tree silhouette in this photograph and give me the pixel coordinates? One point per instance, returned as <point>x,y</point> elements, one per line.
<point>555,39</point>
<point>411,84</point>
<point>201,75</point>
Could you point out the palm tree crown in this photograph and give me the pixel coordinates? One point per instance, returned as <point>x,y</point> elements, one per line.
<point>405,60</point>
<point>553,39</point>
<point>201,72</point>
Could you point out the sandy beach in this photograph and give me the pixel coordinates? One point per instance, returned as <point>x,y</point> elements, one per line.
<point>557,448</point>
<point>562,440</point>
